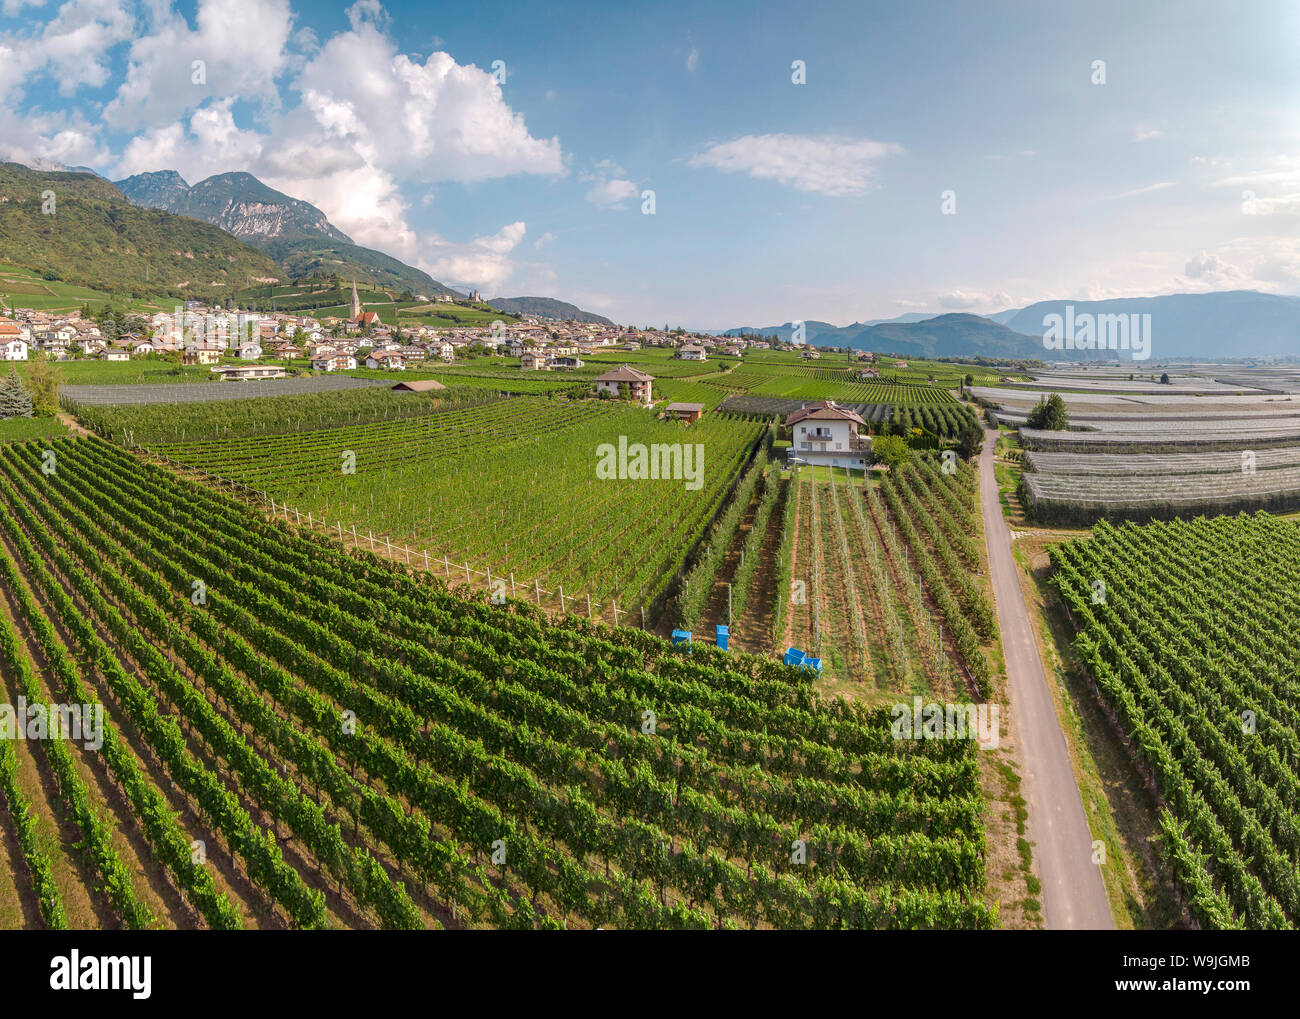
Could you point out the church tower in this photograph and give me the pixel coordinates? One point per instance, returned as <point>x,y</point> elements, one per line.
<point>354,311</point>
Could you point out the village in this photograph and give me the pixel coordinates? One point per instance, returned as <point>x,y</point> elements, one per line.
<point>264,345</point>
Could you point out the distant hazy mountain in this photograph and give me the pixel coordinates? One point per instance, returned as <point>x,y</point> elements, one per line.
<point>915,335</point>
<point>99,239</point>
<point>911,316</point>
<point>547,307</point>
<point>814,332</point>
<point>956,335</point>
<point>295,233</point>
<point>1238,323</point>
<point>1234,323</point>
<point>823,333</point>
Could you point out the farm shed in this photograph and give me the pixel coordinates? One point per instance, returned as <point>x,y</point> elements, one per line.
<point>418,386</point>
<point>688,412</point>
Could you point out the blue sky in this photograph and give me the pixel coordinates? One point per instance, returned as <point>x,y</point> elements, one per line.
<point>773,201</point>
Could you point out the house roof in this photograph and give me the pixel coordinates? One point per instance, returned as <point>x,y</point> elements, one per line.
<point>625,373</point>
<point>418,386</point>
<point>827,410</point>
<point>684,408</point>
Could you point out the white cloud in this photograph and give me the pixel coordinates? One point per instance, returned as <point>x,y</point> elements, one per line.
<point>968,300</point>
<point>49,139</point>
<point>1270,264</point>
<point>612,194</point>
<point>1143,133</point>
<point>1212,271</point>
<point>546,238</point>
<point>370,122</point>
<point>611,186</point>
<point>693,59</point>
<point>243,46</point>
<point>483,263</point>
<point>823,164</point>
<point>72,47</point>
<point>367,10</point>
<point>12,8</point>
<point>1271,190</point>
<point>1147,190</point>
<point>436,121</point>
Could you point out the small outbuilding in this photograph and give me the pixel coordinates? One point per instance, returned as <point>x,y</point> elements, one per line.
<point>418,386</point>
<point>688,412</point>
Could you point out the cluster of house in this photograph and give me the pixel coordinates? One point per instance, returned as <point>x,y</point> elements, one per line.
<point>207,335</point>
<point>551,354</point>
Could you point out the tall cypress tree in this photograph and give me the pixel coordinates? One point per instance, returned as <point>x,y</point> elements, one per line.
<point>15,401</point>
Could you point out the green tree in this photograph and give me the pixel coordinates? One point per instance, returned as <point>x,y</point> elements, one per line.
<point>891,450</point>
<point>44,380</point>
<point>970,440</point>
<point>15,401</point>
<point>1050,414</point>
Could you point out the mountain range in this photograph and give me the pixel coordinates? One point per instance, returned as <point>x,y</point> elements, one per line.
<point>296,234</point>
<point>78,228</point>
<point>1238,323</point>
<point>547,307</point>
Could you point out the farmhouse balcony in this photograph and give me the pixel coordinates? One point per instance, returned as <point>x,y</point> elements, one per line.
<point>826,443</point>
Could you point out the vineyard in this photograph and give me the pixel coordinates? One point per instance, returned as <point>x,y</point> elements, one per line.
<point>354,745</point>
<point>1185,628</point>
<point>888,577</point>
<point>509,487</point>
<point>943,421</point>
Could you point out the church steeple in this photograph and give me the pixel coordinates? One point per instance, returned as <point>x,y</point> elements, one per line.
<point>354,311</point>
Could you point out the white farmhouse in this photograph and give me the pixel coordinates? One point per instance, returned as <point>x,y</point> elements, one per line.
<point>13,342</point>
<point>827,434</point>
<point>333,363</point>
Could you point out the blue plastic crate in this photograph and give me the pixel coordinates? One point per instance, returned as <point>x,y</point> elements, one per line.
<point>813,664</point>
<point>793,656</point>
<point>682,637</point>
<point>724,636</point>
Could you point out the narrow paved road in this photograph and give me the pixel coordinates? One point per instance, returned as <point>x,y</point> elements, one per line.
<point>1074,897</point>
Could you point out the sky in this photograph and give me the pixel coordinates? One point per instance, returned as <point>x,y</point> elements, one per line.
<point>713,164</point>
